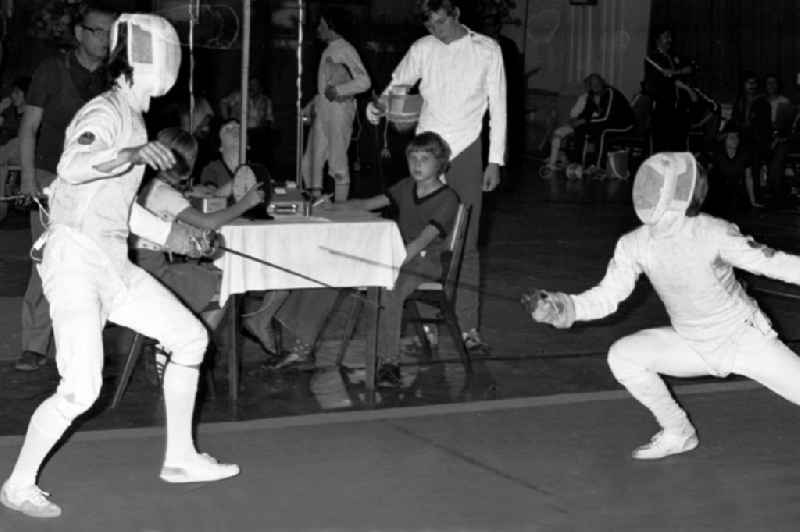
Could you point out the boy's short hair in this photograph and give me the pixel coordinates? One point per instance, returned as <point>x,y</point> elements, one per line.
<point>85,8</point>
<point>184,147</point>
<point>432,143</point>
<point>425,8</point>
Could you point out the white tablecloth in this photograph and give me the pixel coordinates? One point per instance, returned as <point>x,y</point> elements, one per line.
<point>350,250</point>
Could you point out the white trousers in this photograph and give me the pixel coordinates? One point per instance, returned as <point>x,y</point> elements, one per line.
<point>328,142</point>
<point>84,291</point>
<point>638,360</point>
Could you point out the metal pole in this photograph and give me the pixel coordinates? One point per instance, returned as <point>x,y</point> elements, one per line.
<point>192,20</point>
<point>298,162</point>
<point>244,90</point>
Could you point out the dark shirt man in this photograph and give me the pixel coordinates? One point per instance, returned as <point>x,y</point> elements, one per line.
<point>60,86</point>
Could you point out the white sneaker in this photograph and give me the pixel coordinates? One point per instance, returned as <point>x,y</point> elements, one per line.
<point>666,443</point>
<point>199,468</point>
<point>29,500</point>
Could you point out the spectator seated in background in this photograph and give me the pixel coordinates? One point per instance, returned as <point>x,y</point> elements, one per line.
<point>613,116</point>
<point>216,178</point>
<point>731,177</point>
<point>194,282</point>
<point>260,119</point>
<point>12,108</point>
<point>575,123</point>
<point>605,113</point>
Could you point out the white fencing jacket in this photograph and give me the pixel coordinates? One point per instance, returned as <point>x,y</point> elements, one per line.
<point>691,270</point>
<point>96,204</point>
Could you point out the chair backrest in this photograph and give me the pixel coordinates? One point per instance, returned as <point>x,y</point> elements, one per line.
<point>455,246</point>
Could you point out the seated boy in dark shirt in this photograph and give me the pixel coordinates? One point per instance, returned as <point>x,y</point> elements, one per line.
<point>426,210</point>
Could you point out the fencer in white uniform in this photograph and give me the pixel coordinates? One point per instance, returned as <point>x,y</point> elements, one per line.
<point>340,77</point>
<point>86,274</point>
<point>716,328</point>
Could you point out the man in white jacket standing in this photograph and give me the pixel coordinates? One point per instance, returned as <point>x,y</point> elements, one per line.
<point>340,77</point>
<point>461,75</point>
<point>86,274</point>
<point>716,328</point>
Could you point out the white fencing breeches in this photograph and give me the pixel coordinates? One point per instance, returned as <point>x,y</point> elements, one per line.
<point>84,292</point>
<point>638,360</point>
<point>328,142</point>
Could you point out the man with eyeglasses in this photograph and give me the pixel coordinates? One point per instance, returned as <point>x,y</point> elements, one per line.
<point>60,86</point>
<point>461,76</point>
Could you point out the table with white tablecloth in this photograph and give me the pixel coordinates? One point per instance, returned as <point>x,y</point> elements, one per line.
<point>339,250</point>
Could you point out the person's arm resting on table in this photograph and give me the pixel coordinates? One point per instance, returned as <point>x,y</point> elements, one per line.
<point>212,221</point>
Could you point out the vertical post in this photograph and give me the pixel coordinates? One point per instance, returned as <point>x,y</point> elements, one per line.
<point>194,11</point>
<point>244,90</point>
<point>298,160</point>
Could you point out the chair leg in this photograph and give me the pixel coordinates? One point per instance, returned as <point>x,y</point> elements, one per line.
<point>130,362</point>
<point>455,331</point>
<point>341,296</point>
<point>349,328</point>
<point>416,318</point>
<point>233,349</point>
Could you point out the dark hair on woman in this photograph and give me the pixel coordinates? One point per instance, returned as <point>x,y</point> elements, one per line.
<point>117,64</point>
<point>22,83</point>
<point>425,8</point>
<point>339,20</point>
<point>432,143</point>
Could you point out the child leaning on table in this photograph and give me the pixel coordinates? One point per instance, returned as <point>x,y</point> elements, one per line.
<point>426,210</point>
<point>194,283</point>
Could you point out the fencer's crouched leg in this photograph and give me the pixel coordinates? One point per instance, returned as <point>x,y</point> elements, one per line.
<point>637,361</point>
<point>761,356</point>
<point>152,310</point>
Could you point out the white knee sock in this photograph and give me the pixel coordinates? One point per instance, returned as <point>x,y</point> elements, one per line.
<point>180,391</point>
<point>650,390</point>
<point>46,427</point>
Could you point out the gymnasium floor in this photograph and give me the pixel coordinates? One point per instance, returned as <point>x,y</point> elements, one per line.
<point>559,463</point>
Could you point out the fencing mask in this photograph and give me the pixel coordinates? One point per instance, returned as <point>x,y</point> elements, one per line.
<point>153,51</point>
<point>664,183</point>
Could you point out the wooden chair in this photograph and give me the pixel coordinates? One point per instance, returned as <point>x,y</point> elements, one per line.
<point>440,295</point>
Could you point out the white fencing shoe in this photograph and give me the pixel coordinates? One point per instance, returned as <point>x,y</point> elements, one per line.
<point>666,443</point>
<point>200,468</point>
<point>30,500</point>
